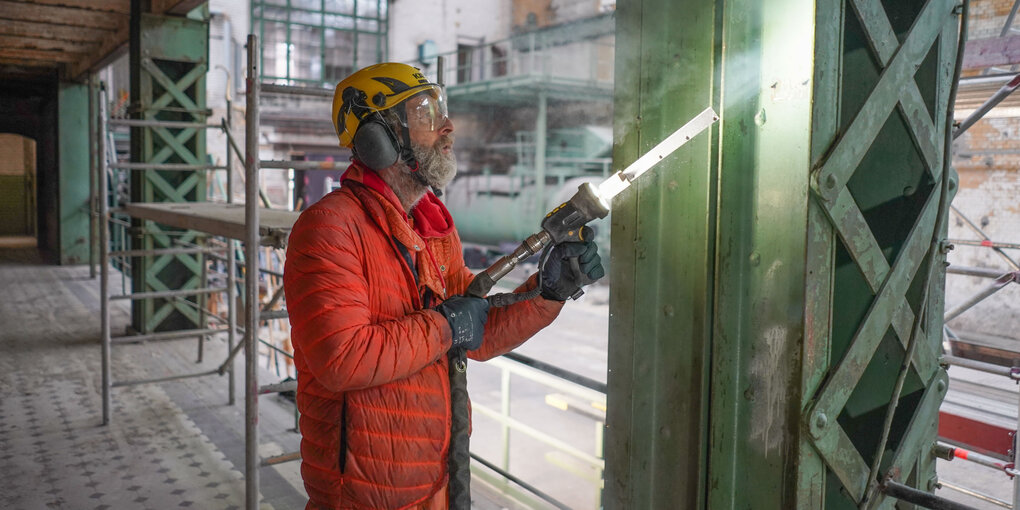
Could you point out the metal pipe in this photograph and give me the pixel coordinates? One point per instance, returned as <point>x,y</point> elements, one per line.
<point>163,379</point>
<point>1016,460</point>
<point>296,90</point>
<point>975,494</point>
<point>228,123</point>
<point>93,165</point>
<point>232,144</point>
<point>171,124</point>
<point>986,243</point>
<point>987,106</point>
<point>983,272</point>
<point>273,314</point>
<point>231,317</point>
<point>166,335</point>
<point>280,459</point>
<point>104,264</point>
<point>283,164</point>
<point>921,498</point>
<point>578,379</point>
<point>245,266</point>
<point>278,387</point>
<point>202,300</point>
<point>162,251</point>
<point>982,459</point>
<point>994,287</point>
<point>166,293</point>
<point>251,247</point>
<point>1012,373</point>
<point>165,166</point>
<point>1009,19</point>
<point>532,489</point>
<point>1012,263</point>
<point>276,349</point>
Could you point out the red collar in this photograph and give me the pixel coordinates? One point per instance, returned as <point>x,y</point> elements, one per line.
<point>431,218</point>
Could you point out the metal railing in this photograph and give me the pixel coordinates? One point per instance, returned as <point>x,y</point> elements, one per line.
<point>581,388</point>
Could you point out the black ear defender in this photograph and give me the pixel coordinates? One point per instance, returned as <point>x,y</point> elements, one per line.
<point>375,144</point>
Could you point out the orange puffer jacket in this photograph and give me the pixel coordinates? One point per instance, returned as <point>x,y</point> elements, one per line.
<point>373,384</point>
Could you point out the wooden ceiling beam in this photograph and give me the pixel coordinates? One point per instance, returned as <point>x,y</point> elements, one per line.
<point>32,43</point>
<point>47,31</point>
<point>27,62</point>
<point>59,15</point>
<point>117,6</point>
<point>39,55</point>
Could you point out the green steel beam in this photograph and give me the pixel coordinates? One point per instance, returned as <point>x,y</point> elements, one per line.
<point>767,278</point>
<point>169,61</point>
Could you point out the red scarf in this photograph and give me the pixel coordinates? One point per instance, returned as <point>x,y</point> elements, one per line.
<point>431,218</point>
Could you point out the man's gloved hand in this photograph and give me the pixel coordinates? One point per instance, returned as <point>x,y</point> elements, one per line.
<point>467,316</point>
<point>570,267</point>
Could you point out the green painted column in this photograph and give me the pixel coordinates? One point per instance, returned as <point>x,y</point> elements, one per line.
<point>767,276</point>
<point>169,61</point>
<point>73,181</point>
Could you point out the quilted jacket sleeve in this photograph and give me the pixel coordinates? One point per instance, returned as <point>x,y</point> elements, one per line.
<point>507,327</point>
<point>331,309</point>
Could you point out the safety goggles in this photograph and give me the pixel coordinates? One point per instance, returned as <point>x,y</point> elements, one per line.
<point>427,110</point>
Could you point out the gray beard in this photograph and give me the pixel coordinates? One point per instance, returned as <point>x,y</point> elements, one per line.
<point>436,168</point>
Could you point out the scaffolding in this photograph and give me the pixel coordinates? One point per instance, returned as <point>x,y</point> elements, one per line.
<point>1003,455</point>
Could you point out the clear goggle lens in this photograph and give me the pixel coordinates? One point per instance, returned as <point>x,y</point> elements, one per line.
<point>427,110</point>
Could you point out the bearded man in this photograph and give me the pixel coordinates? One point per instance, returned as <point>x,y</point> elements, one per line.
<point>374,282</point>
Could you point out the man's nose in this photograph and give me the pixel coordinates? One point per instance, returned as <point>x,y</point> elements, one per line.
<point>447,127</point>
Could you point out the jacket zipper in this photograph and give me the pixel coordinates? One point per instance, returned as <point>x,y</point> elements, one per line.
<point>342,461</point>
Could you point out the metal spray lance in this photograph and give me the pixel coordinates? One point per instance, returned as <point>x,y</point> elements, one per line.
<point>567,221</point>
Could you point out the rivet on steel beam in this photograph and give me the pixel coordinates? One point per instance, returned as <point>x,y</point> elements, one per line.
<point>940,386</point>
<point>830,182</point>
<point>821,421</point>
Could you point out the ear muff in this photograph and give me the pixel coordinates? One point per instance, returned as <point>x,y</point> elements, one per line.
<point>375,145</point>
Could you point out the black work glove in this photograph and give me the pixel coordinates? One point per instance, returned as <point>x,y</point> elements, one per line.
<point>467,316</point>
<point>570,267</point>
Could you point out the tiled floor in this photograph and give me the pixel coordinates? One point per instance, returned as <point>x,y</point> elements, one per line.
<point>170,445</point>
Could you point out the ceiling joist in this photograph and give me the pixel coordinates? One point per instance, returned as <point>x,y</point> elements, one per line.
<point>43,55</point>
<point>31,43</point>
<point>47,31</point>
<point>53,15</point>
<point>115,6</point>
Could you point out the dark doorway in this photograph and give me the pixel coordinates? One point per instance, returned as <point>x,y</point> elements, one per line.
<point>28,114</point>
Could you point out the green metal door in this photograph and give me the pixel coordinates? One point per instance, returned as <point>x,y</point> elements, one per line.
<point>766,278</point>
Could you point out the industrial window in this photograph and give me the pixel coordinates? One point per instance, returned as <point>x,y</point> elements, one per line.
<point>318,42</point>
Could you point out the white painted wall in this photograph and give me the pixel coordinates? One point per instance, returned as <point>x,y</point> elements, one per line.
<point>445,22</point>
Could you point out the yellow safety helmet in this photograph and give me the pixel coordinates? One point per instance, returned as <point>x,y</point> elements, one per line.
<point>378,88</point>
